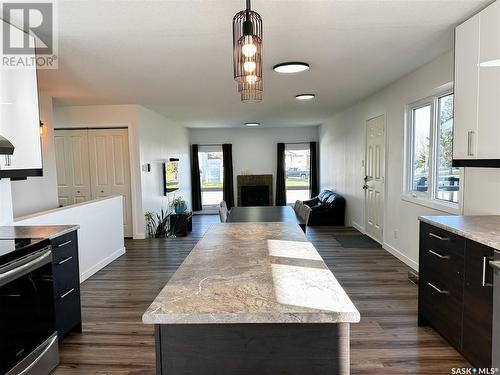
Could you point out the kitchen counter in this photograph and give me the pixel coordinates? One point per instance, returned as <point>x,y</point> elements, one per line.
<point>253,298</point>
<point>35,231</point>
<point>482,229</point>
<point>252,273</point>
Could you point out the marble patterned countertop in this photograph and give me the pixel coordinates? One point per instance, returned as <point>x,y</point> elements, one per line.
<point>252,273</point>
<point>482,229</point>
<point>35,231</point>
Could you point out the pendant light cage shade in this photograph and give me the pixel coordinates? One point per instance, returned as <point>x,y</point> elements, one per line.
<point>251,92</point>
<point>247,46</point>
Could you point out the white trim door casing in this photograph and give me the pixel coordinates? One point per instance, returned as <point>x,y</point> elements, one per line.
<point>375,177</point>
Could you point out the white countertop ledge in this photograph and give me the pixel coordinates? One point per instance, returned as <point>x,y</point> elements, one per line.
<point>482,229</point>
<point>242,273</point>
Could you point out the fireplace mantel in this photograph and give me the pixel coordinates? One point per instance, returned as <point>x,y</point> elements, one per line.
<point>255,180</point>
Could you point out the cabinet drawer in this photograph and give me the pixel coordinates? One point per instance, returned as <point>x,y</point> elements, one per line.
<point>64,246</point>
<point>438,239</point>
<point>66,274</point>
<point>442,309</point>
<point>68,314</point>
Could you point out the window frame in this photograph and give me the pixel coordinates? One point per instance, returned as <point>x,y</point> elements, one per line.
<point>208,149</point>
<point>428,198</point>
<point>299,146</point>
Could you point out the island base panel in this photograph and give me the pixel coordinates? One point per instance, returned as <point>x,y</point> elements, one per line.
<point>250,349</point>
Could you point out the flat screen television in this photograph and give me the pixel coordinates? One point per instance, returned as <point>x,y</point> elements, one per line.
<point>171,175</point>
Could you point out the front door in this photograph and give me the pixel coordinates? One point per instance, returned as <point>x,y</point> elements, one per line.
<point>375,177</point>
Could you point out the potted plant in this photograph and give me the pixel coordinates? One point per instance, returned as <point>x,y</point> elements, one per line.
<point>179,205</point>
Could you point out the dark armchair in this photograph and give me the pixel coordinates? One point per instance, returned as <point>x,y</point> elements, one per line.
<point>328,208</point>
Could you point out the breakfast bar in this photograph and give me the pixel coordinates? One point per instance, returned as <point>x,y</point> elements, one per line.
<point>252,298</point>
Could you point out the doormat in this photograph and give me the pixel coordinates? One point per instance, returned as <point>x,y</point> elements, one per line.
<point>357,240</point>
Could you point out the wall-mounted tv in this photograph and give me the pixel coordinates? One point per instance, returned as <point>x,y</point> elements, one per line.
<point>171,175</point>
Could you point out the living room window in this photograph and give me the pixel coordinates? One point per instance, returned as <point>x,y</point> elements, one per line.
<point>297,159</point>
<point>430,177</point>
<point>211,175</point>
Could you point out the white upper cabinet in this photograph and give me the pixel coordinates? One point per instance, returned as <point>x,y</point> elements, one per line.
<point>488,137</point>
<point>466,88</point>
<point>477,88</point>
<point>19,117</point>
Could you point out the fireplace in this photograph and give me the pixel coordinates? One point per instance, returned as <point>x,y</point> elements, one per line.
<point>255,190</point>
<point>255,196</point>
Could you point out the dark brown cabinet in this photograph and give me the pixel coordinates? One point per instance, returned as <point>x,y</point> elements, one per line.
<point>455,292</point>
<point>478,304</point>
<point>66,284</point>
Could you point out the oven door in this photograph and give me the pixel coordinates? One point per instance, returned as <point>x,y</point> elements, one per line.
<point>27,319</point>
<point>496,311</point>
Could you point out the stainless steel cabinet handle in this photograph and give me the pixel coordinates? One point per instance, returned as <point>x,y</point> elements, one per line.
<point>65,260</point>
<point>470,152</point>
<point>439,237</point>
<point>495,264</point>
<point>439,255</point>
<point>64,243</point>
<point>437,289</point>
<point>67,293</point>
<point>483,279</point>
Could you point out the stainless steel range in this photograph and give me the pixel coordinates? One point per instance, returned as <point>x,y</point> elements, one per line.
<point>28,338</point>
<point>496,311</point>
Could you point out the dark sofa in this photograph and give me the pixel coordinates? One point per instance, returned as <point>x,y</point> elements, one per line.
<point>328,208</point>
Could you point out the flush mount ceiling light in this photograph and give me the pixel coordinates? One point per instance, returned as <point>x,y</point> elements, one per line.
<point>252,124</point>
<point>291,67</point>
<point>305,96</point>
<point>247,54</point>
<point>490,64</point>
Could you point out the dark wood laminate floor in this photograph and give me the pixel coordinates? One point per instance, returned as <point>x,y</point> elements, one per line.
<point>387,341</point>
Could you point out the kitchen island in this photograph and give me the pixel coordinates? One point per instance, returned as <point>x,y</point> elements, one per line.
<point>252,298</point>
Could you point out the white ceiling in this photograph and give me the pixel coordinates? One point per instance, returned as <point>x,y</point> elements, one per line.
<point>176,56</point>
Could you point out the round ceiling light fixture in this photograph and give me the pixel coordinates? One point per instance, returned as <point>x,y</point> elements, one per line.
<point>291,67</point>
<point>305,96</point>
<point>252,124</point>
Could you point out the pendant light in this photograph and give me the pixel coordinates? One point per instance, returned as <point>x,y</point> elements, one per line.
<point>247,54</point>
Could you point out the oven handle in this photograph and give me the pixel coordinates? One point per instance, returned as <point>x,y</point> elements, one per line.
<point>25,265</point>
<point>42,354</point>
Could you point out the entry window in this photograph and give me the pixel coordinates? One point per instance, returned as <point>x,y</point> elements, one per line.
<point>297,157</point>
<point>211,175</point>
<point>431,175</point>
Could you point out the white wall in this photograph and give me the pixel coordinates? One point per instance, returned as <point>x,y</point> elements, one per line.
<point>342,149</point>
<point>254,149</point>
<point>161,139</point>
<point>152,139</point>
<point>39,193</point>
<point>100,237</point>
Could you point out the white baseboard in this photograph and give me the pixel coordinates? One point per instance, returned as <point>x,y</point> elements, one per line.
<point>403,258</point>
<point>358,227</point>
<point>139,236</point>
<point>103,263</point>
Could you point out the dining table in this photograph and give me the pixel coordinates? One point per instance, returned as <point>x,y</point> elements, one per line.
<point>265,214</point>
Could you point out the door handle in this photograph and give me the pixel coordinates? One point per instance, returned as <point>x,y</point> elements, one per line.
<point>440,291</point>
<point>484,283</point>
<point>470,152</point>
<point>365,187</point>
<point>64,260</point>
<point>439,237</point>
<point>439,255</point>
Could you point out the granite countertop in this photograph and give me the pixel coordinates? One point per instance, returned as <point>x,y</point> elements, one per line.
<point>252,273</point>
<point>35,231</point>
<point>482,229</point>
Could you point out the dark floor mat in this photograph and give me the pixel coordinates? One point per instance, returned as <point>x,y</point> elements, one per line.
<point>357,240</point>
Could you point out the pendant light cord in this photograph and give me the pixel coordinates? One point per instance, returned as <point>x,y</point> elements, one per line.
<point>248,5</point>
